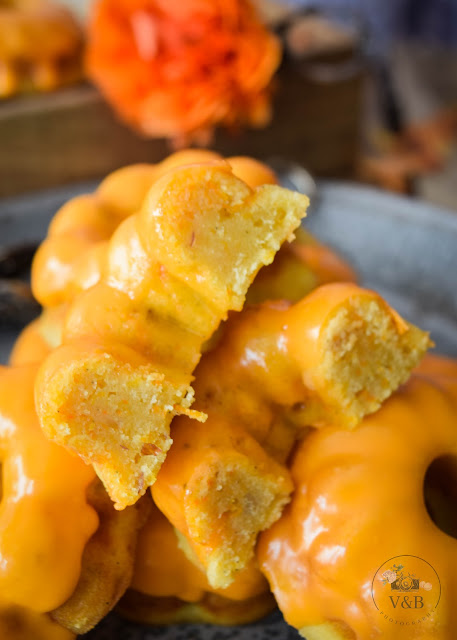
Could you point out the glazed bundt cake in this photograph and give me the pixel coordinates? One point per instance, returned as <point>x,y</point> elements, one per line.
<point>131,342</point>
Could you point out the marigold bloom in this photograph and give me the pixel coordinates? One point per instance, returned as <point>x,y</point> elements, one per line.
<point>177,69</point>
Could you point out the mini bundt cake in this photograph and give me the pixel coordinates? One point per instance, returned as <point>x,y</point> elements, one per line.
<point>282,464</point>
<point>67,554</point>
<point>72,256</point>
<point>41,46</point>
<point>367,547</point>
<point>278,370</point>
<point>131,342</point>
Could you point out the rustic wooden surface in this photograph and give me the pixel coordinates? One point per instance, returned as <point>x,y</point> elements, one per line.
<point>72,135</point>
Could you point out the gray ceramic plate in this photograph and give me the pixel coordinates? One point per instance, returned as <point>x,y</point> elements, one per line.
<point>404,249</point>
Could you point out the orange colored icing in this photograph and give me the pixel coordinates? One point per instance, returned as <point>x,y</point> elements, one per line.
<point>435,365</point>
<point>358,503</point>
<point>45,520</point>
<point>162,568</point>
<point>269,388</point>
<point>253,172</point>
<point>31,346</point>
<point>80,226</point>
<point>327,265</point>
<point>20,623</point>
<point>196,452</point>
<point>38,339</point>
<point>298,268</point>
<point>72,258</point>
<point>271,356</point>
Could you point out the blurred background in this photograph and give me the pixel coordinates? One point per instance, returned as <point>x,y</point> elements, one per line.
<point>364,90</point>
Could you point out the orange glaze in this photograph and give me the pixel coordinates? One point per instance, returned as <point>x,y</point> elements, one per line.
<point>196,452</point>
<point>436,365</point>
<point>271,356</point>
<point>359,502</point>
<point>38,338</point>
<point>162,569</point>
<point>30,346</point>
<point>253,172</point>
<point>80,225</point>
<point>45,520</point>
<point>327,265</point>
<point>298,268</point>
<point>267,363</point>
<point>72,257</point>
<point>19,623</point>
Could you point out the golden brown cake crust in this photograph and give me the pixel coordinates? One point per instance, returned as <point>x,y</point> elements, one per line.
<point>107,562</point>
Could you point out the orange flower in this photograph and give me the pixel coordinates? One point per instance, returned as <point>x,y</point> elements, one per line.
<point>176,68</point>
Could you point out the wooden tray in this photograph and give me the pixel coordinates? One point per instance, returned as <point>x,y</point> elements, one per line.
<point>72,135</point>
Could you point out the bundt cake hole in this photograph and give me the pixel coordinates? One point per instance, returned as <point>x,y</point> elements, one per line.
<point>440,493</point>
